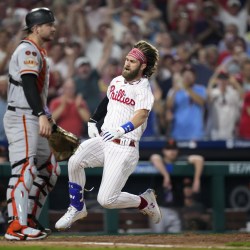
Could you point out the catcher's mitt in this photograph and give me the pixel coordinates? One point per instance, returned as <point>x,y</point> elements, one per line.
<point>63,143</point>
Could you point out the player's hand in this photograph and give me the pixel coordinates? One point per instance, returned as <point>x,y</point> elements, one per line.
<point>44,126</point>
<point>113,133</point>
<point>92,130</point>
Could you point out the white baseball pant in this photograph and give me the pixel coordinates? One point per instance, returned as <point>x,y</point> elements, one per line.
<point>118,162</point>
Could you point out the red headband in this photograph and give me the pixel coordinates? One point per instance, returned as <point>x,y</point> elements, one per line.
<point>137,54</point>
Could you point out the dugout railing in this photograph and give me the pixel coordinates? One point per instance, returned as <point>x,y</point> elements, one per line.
<point>216,171</point>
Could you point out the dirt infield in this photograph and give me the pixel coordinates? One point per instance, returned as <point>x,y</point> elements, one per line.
<point>160,240</point>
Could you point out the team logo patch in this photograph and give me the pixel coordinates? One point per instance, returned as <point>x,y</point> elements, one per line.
<point>30,62</point>
<point>27,52</point>
<point>34,53</point>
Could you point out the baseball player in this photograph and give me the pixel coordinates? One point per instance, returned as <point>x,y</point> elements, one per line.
<point>126,108</point>
<point>34,169</point>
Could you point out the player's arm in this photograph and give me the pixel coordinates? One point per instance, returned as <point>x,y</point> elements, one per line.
<point>158,163</point>
<point>29,82</point>
<point>139,117</point>
<point>198,163</point>
<point>99,113</point>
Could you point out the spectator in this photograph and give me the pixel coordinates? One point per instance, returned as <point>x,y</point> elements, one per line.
<point>55,84</point>
<point>193,214</point>
<point>164,163</point>
<point>212,56</point>
<point>151,18</point>
<point>224,94</point>
<point>165,74</point>
<point>111,70</point>
<point>232,63</point>
<point>5,37</point>
<point>244,128</point>
<point>102,44</point>
<point>58,60</point>
<point>207,29</point>
<point>169,71</point>
<point>230,34</point>
<point>174,8</point>
<point>236,13</point>
<point>69,110</point>
<point>182,33</point>
<point>121,25</point>
<point>245,70</point>
<point>86,80</point>
<point>202,68</point>
<point>185,107</point>
<point>96,14</point>
<point>164,43</point>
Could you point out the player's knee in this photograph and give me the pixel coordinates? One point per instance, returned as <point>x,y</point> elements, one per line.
<point>105,201</point>
<point>29,173</point>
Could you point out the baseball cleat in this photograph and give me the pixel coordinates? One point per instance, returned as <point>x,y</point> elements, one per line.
<point>34,223</point>
<point>152,209</point>
<point>70,217</point>
<point>17,232</point>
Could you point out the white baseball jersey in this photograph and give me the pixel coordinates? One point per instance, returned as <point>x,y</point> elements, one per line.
<point>124,100</point>
<point>28,58</point>
<point>119,161</point>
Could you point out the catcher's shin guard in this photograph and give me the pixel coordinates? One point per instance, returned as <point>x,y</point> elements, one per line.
<point>42,186</point>
<point>20,183</point>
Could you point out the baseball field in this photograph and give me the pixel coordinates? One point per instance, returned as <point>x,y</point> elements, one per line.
<point>186,241</point>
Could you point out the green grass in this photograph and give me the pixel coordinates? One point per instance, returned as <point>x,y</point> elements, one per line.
<point>239,244</point>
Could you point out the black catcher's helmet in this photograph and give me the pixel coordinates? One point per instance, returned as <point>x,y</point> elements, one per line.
<point>38,16</point>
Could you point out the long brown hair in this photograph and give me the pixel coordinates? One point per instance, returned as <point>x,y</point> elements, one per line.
<point>151,54</point>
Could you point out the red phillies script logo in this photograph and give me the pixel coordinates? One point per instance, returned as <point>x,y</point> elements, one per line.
<point>120,96</point>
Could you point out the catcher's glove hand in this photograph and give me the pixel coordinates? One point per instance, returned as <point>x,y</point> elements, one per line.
<point>63,144</point>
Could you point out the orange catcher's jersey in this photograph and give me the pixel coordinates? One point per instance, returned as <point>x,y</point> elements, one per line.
<point>28,58</point>
<point>124,99</point>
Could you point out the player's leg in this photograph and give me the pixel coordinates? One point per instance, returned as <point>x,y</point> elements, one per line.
<point>89,154</point>
<point>48,172</point>
<point>120,162</point>
<point>22,149</point>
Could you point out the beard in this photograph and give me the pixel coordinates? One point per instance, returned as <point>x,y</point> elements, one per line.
<point>49,38</point>
<point>130,75</point>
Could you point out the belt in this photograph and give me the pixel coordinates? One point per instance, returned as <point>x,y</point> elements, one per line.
<point>11,108</point>
<point>119,141</point>
<point>16,83</point>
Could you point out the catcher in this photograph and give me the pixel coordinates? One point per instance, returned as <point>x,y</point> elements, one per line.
<point>34,169</point>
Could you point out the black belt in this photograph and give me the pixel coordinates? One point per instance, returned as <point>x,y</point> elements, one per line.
<point>11,108</point>
<point>16,83</point>
<point>118,141</point>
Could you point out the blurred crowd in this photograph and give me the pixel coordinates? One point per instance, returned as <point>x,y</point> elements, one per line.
<point>201,88</point>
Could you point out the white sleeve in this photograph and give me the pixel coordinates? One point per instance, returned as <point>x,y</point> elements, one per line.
<point>28,60</point>
<point>144,98</point>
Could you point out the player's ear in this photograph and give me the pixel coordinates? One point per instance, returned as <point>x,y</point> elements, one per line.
<point>143,66</point>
